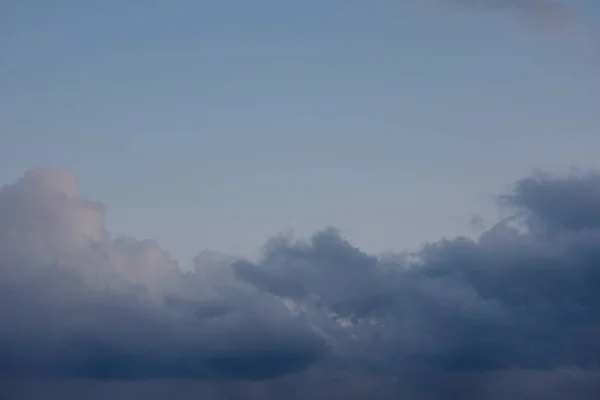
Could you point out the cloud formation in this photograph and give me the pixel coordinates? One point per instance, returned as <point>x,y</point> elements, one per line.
<point>514,313</point>
<point>77,303</point>
<point>553,14</point>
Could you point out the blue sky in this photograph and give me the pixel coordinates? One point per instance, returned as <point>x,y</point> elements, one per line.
<point>215,124</point>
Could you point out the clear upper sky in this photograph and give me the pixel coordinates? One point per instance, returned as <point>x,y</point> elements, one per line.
<point>214,124</point>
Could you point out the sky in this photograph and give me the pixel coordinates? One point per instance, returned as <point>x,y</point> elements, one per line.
<point>403,197</point>
<point>215,124</point>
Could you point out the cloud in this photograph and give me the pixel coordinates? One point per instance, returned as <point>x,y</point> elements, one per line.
<point>553,14</point>
<point>561,384</point>
<point>514,313</point>
<point>567,203</point>
<point>511,299</point>
<point>77,303</point>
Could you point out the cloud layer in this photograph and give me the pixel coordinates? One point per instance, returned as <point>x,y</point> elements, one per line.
<point>488,318</point>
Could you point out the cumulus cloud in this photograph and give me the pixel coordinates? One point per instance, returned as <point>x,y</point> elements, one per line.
<point>77,303</point>
<point>512,298</point>
<point>514,313</point>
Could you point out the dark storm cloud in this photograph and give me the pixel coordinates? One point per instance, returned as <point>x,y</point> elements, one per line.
<point>560,203</point>
<point>512,314</point>
<point>561,384</point>
<point>510,299</point>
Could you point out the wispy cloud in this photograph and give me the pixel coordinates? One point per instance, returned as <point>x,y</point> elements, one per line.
<point>554,14</point>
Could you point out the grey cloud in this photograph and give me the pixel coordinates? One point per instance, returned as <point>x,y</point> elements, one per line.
<point>553,13</point>
<point>77,303</point>
<point>513,314</point>
<point>269,282</point>
<point>514,384</point>
<point>202,309</point>
<point>511,299</point>
<point>568,203</point>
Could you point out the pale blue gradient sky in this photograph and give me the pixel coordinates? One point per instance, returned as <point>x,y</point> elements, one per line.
<point>215,124</point>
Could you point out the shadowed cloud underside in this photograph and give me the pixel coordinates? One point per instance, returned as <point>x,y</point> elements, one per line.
<point>79,303</point>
